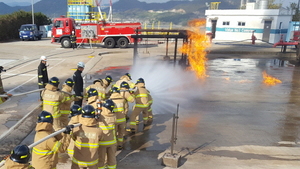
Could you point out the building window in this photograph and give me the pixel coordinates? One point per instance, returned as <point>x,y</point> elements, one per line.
<point>241,24</point>
<point>226,23</point>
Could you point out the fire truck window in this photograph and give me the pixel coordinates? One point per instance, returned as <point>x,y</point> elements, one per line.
<point>67,23</point>
<point>58,24</point>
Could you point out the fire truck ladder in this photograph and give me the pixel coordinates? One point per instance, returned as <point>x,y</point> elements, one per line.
<point>109,18</point>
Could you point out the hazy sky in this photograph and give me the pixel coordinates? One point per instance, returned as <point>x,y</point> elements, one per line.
<point>103,1</point>
<point>284,2</point>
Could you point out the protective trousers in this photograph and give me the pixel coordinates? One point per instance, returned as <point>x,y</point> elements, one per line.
<point>110,151</point>
<point>120,128</point>
<point>126,108</point>
<point>57,124</point>
<point>64,118</point>
<point>150,115</point>
<point>136,111</point>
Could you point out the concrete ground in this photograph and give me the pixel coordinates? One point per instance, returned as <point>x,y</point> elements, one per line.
<point>229,120</point>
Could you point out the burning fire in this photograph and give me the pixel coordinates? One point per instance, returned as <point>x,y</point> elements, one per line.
<point>269,80</point>
<point>195,48</point>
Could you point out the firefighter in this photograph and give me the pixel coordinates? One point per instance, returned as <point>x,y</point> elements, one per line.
<point>86,138</point>
<point>19,158</point>
<point>125,78</point>
<point>106,83</point>
<point>125,93</point>
<point>93,98</point>
<point>75,113</point>
<point>3,99</point>
<point>52,98</point>
<point>45,154</point>
<point>73,40</point>
<point>120,126</point>
<point>150,102</point>
<point>78,87</point>
<point>65,106</point>
<point>107,147</point>
<point>98,85</point>
<point>141,105</point>
<point>42,74</point>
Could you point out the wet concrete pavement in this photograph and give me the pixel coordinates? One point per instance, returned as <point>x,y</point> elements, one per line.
<point>228,120</point>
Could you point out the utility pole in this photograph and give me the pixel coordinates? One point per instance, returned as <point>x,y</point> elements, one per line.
<point>32,12</point>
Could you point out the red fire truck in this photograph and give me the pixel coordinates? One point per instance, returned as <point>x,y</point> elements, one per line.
<point>111,34</point>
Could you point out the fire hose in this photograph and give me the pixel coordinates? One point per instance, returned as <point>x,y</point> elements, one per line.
<point>44,139</point>
<point>37,90</point>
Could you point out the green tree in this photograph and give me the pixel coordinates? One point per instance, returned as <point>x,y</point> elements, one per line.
<point>10,23</point>
<point>272,5</point>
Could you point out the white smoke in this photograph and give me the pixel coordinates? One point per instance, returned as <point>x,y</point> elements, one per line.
<point>169,85</point>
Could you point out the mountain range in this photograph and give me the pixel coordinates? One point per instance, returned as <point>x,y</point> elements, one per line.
<point>56,8</point>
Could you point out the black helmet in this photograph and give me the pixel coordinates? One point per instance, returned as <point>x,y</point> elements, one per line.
<point>92,92</point>
<point>140,80</point>
<point>124,85</point>
<point>114,90</point>
<point>109,104</point>
<point>97,80</point>
<point>54,81</point>
<point>20,154</point>
<point>108,79</point>
<point>127,74</point>
<point>45,117</point>
<point>70,82</point>
<point>88,111</point>
<point>75,110</point>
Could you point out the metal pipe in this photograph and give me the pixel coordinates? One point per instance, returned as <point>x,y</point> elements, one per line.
<point>20,94</point>
<point>135,51</point>
<point>172,137</point>
<point>175,51</point>
<point>51,135</point>
<point>44,139</point>
<point>32,12</point>
<point>37,90</point>
<point>176,124</point>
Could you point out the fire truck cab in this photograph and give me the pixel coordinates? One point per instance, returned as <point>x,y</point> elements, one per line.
<point>111,34</point>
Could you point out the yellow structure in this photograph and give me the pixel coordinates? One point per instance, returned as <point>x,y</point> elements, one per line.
<point>83,10</point>
<point>214,5</point>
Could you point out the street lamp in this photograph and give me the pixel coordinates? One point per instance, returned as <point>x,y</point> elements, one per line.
<point>32,12</point>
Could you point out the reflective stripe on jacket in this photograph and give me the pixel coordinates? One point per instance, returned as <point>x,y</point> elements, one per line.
<point>45,154</point>
<point>52,99</point>
<point>86,143</point>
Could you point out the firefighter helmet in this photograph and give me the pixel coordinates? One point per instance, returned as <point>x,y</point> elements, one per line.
<point>88,111</point>
<point>75,110</point>
<point>114,90</point>
<point>70,82</point>
<point>80,64</point>
<point>127,74</point>
<point>54,81</point>
<point>20,154</point>
<point>44,58</point>
<point>92,92</point>
<point>45,117</point>
<point>124,85</point>
<point>108,79</point>
<point>109,104</point>
<point>97,80</point>
<point>140,80</point>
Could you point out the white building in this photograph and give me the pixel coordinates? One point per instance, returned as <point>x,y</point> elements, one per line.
<point>238,25</point>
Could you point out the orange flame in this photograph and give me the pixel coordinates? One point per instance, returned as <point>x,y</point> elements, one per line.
<point>269,80</point>
<point>195,48</point>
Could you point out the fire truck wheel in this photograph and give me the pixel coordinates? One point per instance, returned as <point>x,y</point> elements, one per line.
<point>122,43</point>
<point>109,43</point>
<point>66,43</point>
